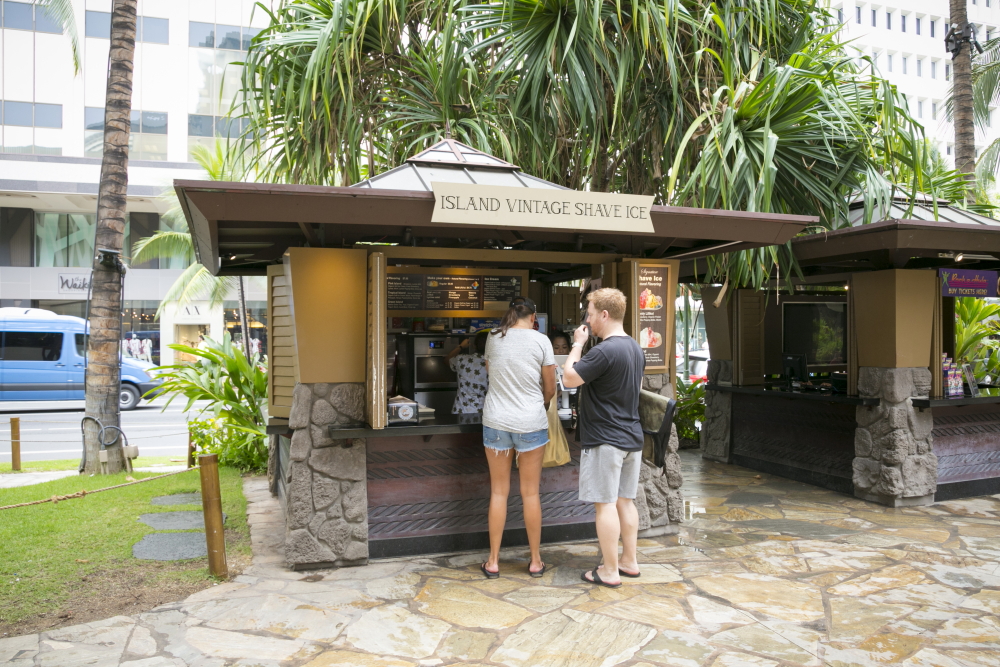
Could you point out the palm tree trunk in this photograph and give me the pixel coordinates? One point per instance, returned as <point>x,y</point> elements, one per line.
<point>965,129</point>
<point>103,363</point>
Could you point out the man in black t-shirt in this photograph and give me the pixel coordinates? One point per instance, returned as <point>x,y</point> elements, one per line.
<point>610,377</point>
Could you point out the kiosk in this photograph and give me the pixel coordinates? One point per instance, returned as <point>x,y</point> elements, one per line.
<point>369,285</point>
<point>873,317</point>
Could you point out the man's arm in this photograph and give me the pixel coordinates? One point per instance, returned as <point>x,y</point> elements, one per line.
<point>570,377</point>
<point>548,383</point>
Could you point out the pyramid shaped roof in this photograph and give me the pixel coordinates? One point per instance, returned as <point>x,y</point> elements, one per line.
<point>453,162</point>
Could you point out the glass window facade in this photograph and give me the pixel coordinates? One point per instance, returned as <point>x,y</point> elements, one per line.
<point>27,114</point>
<point>64,239</point>
<point>45,21</point>
<point>153,30</point>
<point>16,236</point>
<point>17,113</point>
<point>98,24</point>
<point>201,34</point>
<point>256,324</point>
<point>18,15</point>
<point>147,140</point>
<point>48,115</point>
<point>140,330</point>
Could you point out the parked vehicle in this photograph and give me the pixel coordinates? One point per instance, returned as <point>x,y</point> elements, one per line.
<point>43,357</point>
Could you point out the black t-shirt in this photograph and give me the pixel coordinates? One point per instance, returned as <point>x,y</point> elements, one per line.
<point>609,399</point>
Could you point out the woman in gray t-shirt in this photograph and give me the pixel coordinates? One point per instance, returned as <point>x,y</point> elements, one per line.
<point>522,381</point>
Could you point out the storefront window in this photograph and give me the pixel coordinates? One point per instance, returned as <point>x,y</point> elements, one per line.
<point>256,324</point>
<point>140,330</point>
<point>64,239</point>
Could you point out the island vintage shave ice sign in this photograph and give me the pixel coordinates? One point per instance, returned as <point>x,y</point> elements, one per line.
<point>968,282</point>
<point>494,205</point>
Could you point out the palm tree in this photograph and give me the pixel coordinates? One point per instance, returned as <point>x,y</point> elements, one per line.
<point>962,96</point>
<point>61,11</point>
<point>103,373</point>
<point>753,106</point>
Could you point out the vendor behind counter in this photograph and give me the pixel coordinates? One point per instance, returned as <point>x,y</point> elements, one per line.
<point>469,365</point>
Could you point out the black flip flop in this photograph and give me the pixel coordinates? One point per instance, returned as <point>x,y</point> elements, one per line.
<point>629,575</point>
<point>539,573</point>
<point>597,579</point>
<point>489,575</point>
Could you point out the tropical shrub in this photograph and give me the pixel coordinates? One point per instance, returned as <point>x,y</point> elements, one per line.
<point>976,337</point>
<point>689,414</point>
<point>236,388</point>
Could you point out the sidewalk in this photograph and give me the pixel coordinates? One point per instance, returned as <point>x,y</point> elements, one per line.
<point>15,479</point>
<point>765,572</point>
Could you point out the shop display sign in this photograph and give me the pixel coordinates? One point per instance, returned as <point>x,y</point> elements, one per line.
<point>496,205</point>
<point>968,282</point>
<point>652,305</point>
<point>418,291</point>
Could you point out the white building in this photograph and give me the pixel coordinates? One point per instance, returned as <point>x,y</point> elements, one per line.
<point>905,39</point>
<point>51,142</point>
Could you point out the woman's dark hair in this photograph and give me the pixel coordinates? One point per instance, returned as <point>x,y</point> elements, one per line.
<point>520,308</point>
<point>479,342</point>
<point>561,334</point>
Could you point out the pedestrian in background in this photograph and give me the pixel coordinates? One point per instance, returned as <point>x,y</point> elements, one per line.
<point>522,381</point>
<point>610,377</point>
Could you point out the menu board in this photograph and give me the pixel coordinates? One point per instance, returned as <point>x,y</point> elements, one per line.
<point>453,293</point>
<point>653,311</point>
<point>404,291</point>
<point>500,290</point>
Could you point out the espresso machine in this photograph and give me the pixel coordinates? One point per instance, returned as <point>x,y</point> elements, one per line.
<point>565,398</point>
<point>423,372</point>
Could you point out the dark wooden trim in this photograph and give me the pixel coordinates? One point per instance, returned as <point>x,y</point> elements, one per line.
<point>512,537</point>
<point>799,395</point>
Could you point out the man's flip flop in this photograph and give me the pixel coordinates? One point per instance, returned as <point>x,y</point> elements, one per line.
<point>597,579</point>
<point>539,573</point>
<point>489,575</point>
<point>629,574</point>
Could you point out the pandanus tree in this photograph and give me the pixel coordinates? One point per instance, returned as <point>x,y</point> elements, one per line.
<point>753,105</point>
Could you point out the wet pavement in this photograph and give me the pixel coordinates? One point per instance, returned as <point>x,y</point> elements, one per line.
<point>764,572</point>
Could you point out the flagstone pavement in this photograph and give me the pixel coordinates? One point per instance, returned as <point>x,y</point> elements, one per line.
<point>765,572</point>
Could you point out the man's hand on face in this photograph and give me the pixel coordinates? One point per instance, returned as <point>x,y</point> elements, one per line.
<point>581,335</point>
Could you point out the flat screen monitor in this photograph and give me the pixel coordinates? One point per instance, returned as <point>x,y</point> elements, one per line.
<point>817,330</point>
<point>434,372</point>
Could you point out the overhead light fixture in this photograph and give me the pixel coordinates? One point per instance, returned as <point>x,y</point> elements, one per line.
<point>959,257</point>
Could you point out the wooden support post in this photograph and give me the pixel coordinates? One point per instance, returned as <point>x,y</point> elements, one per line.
<point>190,457</point>
<point>15,443</point>
<point>211,503</point>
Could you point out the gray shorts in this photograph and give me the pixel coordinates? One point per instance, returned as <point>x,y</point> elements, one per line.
<point>608,473</point>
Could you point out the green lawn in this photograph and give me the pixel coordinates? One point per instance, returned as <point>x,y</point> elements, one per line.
<point>77,554</point>
<point>74,464</point>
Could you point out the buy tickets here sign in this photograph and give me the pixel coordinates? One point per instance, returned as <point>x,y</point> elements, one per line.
<point>652,304</point>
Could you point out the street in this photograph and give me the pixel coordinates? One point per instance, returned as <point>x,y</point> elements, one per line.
<point>51,429</point>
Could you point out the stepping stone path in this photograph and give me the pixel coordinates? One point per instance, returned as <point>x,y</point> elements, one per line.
<point>174,546</point>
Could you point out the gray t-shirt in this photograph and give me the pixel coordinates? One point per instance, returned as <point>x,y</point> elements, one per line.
<point>514,402</point>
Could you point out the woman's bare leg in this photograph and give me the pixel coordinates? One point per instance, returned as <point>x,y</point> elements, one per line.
<point>529,468</point>
<point>499,490</point>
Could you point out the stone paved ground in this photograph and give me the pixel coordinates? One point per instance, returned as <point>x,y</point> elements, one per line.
<point>765,572</point>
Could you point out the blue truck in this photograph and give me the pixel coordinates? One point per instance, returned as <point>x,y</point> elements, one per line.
<point>43,357</point>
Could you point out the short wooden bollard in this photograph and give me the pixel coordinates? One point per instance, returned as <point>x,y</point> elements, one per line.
<point>211,503</point>
<point>15,443</point>
<point>190,459</point>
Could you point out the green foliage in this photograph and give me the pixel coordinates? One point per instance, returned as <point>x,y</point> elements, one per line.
<point>237,390</point>
<point>753,106</point>
<point>976,337</point>
<point>690,410</point>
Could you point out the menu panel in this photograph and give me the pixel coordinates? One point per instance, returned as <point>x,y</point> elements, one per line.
<point>501,289</point>
<point>453,293</point>
<point>652,304</point>
<point>404,291</point>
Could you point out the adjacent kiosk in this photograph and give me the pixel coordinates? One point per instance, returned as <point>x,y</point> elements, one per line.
<point>370,286</point>
<point>842,382</point>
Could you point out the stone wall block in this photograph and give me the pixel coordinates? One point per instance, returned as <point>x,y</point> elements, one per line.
<point>866,472</point>
<point>326,492</point>
<point>316,523</point>
<point>641,507</point>
<point>335,534</point>
<point>862,442</point>
<point>301,548</point>
<point>922,446</point>
<point>675,506</point>
<point>344,463</point>
<point>674,443</point>
<point>349,400</point>
<point>870,381</point>
<point>866,415</point>
<point>652,382</point>
<point>921,381</point>
<point>302,399</point>
<point>323,414</point>
<point>355,503</point>
<point>672,470</point>
<point>321,389</point>
<point>921,423</point>
<point>898,417</point>
<point>895,446</point>
<point>301,444</point>
<point>320,436</point>
<point>335,511</point>
<point>890,482</point>
<point>897,384</point>
<point>300,506</point>
<point>920,475</point>
<point>356,551</point>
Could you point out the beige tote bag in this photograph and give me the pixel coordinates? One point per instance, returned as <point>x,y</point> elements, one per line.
<point>557,449</point>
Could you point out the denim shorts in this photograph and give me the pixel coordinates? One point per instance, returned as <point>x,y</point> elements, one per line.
<point>502,441</point>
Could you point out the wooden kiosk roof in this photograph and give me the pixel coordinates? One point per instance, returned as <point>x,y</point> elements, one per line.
<point>240,228</point>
